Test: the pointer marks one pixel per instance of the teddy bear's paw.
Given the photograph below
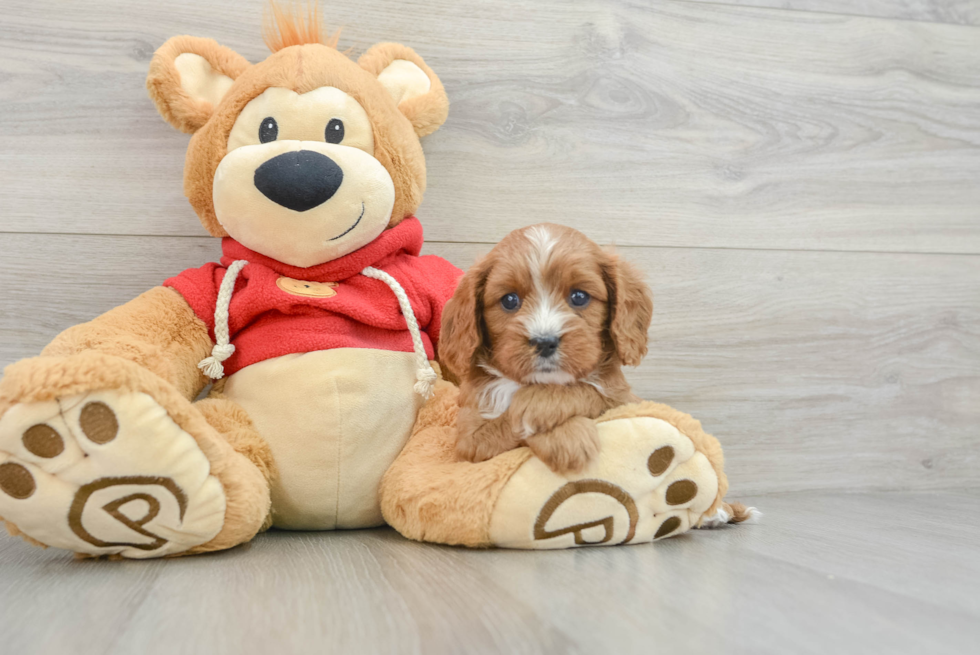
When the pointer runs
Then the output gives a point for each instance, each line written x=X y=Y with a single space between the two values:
x=106 y=473
x=649 y=482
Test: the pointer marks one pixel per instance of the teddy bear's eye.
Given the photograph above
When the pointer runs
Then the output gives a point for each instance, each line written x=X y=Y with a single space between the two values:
x=510 y=302
x=268 y=130
x=335 y=131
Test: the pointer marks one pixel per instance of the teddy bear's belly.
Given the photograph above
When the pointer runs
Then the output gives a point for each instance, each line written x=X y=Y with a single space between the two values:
x=335 y=420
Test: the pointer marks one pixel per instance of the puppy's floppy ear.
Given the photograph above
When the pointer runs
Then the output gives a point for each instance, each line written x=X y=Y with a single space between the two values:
x=188 y=78
x=462 y=319
x=413 y=86
x=630 y=309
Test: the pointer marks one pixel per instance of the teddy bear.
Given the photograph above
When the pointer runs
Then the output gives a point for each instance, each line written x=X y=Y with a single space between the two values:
x=314 y=342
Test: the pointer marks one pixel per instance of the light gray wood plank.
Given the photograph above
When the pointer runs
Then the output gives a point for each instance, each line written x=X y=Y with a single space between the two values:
x=765 y=588
x=668 y=124
x=51 y=603
x=815 y=369
x=956 y=12
x=928 y=523
x=51 y=282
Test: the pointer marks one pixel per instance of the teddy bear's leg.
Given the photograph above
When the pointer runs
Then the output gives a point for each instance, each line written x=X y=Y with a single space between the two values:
x=428 y=496
x=128 y=466
x=249 y=499
x=104 y=454
x=658 y=475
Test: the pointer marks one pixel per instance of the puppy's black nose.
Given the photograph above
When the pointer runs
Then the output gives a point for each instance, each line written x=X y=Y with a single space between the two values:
x=299 y=180
x=546 y=346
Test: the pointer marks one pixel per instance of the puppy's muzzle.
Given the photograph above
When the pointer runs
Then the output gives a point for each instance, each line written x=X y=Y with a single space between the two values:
x=299 y=180
x=545 y=346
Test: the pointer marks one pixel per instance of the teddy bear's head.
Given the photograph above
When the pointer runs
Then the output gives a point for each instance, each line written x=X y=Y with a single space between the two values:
x=308 y=155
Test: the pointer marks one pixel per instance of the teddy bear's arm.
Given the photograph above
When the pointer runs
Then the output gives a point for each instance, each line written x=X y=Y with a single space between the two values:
x=157 y=330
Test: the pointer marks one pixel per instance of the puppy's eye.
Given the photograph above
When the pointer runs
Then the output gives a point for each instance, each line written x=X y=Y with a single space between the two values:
x=268 y=130
x=335 y=131
x=510 y=302
x=578 y=298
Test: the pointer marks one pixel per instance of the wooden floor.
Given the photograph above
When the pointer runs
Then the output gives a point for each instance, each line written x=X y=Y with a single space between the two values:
x=823 y=573
x=800 y=180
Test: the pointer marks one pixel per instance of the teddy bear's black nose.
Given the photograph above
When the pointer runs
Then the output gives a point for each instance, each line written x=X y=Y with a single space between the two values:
x=299 y=180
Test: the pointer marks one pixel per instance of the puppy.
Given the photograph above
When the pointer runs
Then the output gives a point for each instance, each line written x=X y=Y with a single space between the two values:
x=536 y=333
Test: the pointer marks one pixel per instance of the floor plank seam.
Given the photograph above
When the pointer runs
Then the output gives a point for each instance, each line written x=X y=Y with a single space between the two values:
x=818 y=12
x=490 y=244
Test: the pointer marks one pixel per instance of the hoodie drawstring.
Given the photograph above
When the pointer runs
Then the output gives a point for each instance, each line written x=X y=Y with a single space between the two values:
x=424 y=374
x=223 y=349
x=222 y=345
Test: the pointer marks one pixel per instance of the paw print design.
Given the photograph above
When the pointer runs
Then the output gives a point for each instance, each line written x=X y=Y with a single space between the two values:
x=106 y=473
x=649 y=482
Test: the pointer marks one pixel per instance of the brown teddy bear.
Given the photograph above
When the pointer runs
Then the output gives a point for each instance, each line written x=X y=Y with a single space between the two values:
x=319 y=329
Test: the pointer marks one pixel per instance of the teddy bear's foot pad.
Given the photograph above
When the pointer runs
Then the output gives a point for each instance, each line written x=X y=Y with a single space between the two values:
x=649 y=482
x=106 y=473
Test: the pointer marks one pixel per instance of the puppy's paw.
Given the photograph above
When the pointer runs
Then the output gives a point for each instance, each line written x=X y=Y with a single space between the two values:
x=540 y=408
x=482 y=443
x=469 y=449
x=568 y=448
x=532 y=412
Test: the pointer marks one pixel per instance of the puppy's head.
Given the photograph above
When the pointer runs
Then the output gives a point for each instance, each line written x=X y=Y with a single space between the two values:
x=547 y=305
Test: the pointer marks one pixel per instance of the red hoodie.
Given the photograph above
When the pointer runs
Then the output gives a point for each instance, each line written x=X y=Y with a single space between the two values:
x=267 y=320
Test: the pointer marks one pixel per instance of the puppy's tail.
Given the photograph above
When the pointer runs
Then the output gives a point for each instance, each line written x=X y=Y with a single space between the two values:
x=742 y=514
x=731 y=513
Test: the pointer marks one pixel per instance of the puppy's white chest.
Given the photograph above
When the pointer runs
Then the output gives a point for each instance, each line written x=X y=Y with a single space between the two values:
x=496 y=396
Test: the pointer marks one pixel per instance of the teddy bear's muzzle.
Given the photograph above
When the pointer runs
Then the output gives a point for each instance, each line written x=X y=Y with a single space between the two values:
x=299 y=180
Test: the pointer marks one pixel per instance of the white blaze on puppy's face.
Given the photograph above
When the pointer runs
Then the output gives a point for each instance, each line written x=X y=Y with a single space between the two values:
x=548 y=311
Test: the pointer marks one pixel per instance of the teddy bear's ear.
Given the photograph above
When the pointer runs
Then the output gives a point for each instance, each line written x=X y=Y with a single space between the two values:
x=416 y=90
x=188 y=78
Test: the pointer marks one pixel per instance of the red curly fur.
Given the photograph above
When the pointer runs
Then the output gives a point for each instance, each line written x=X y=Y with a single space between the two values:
x=509 y=393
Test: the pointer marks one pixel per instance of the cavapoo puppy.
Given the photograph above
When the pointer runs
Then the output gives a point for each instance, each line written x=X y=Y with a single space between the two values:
x=536 y=334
